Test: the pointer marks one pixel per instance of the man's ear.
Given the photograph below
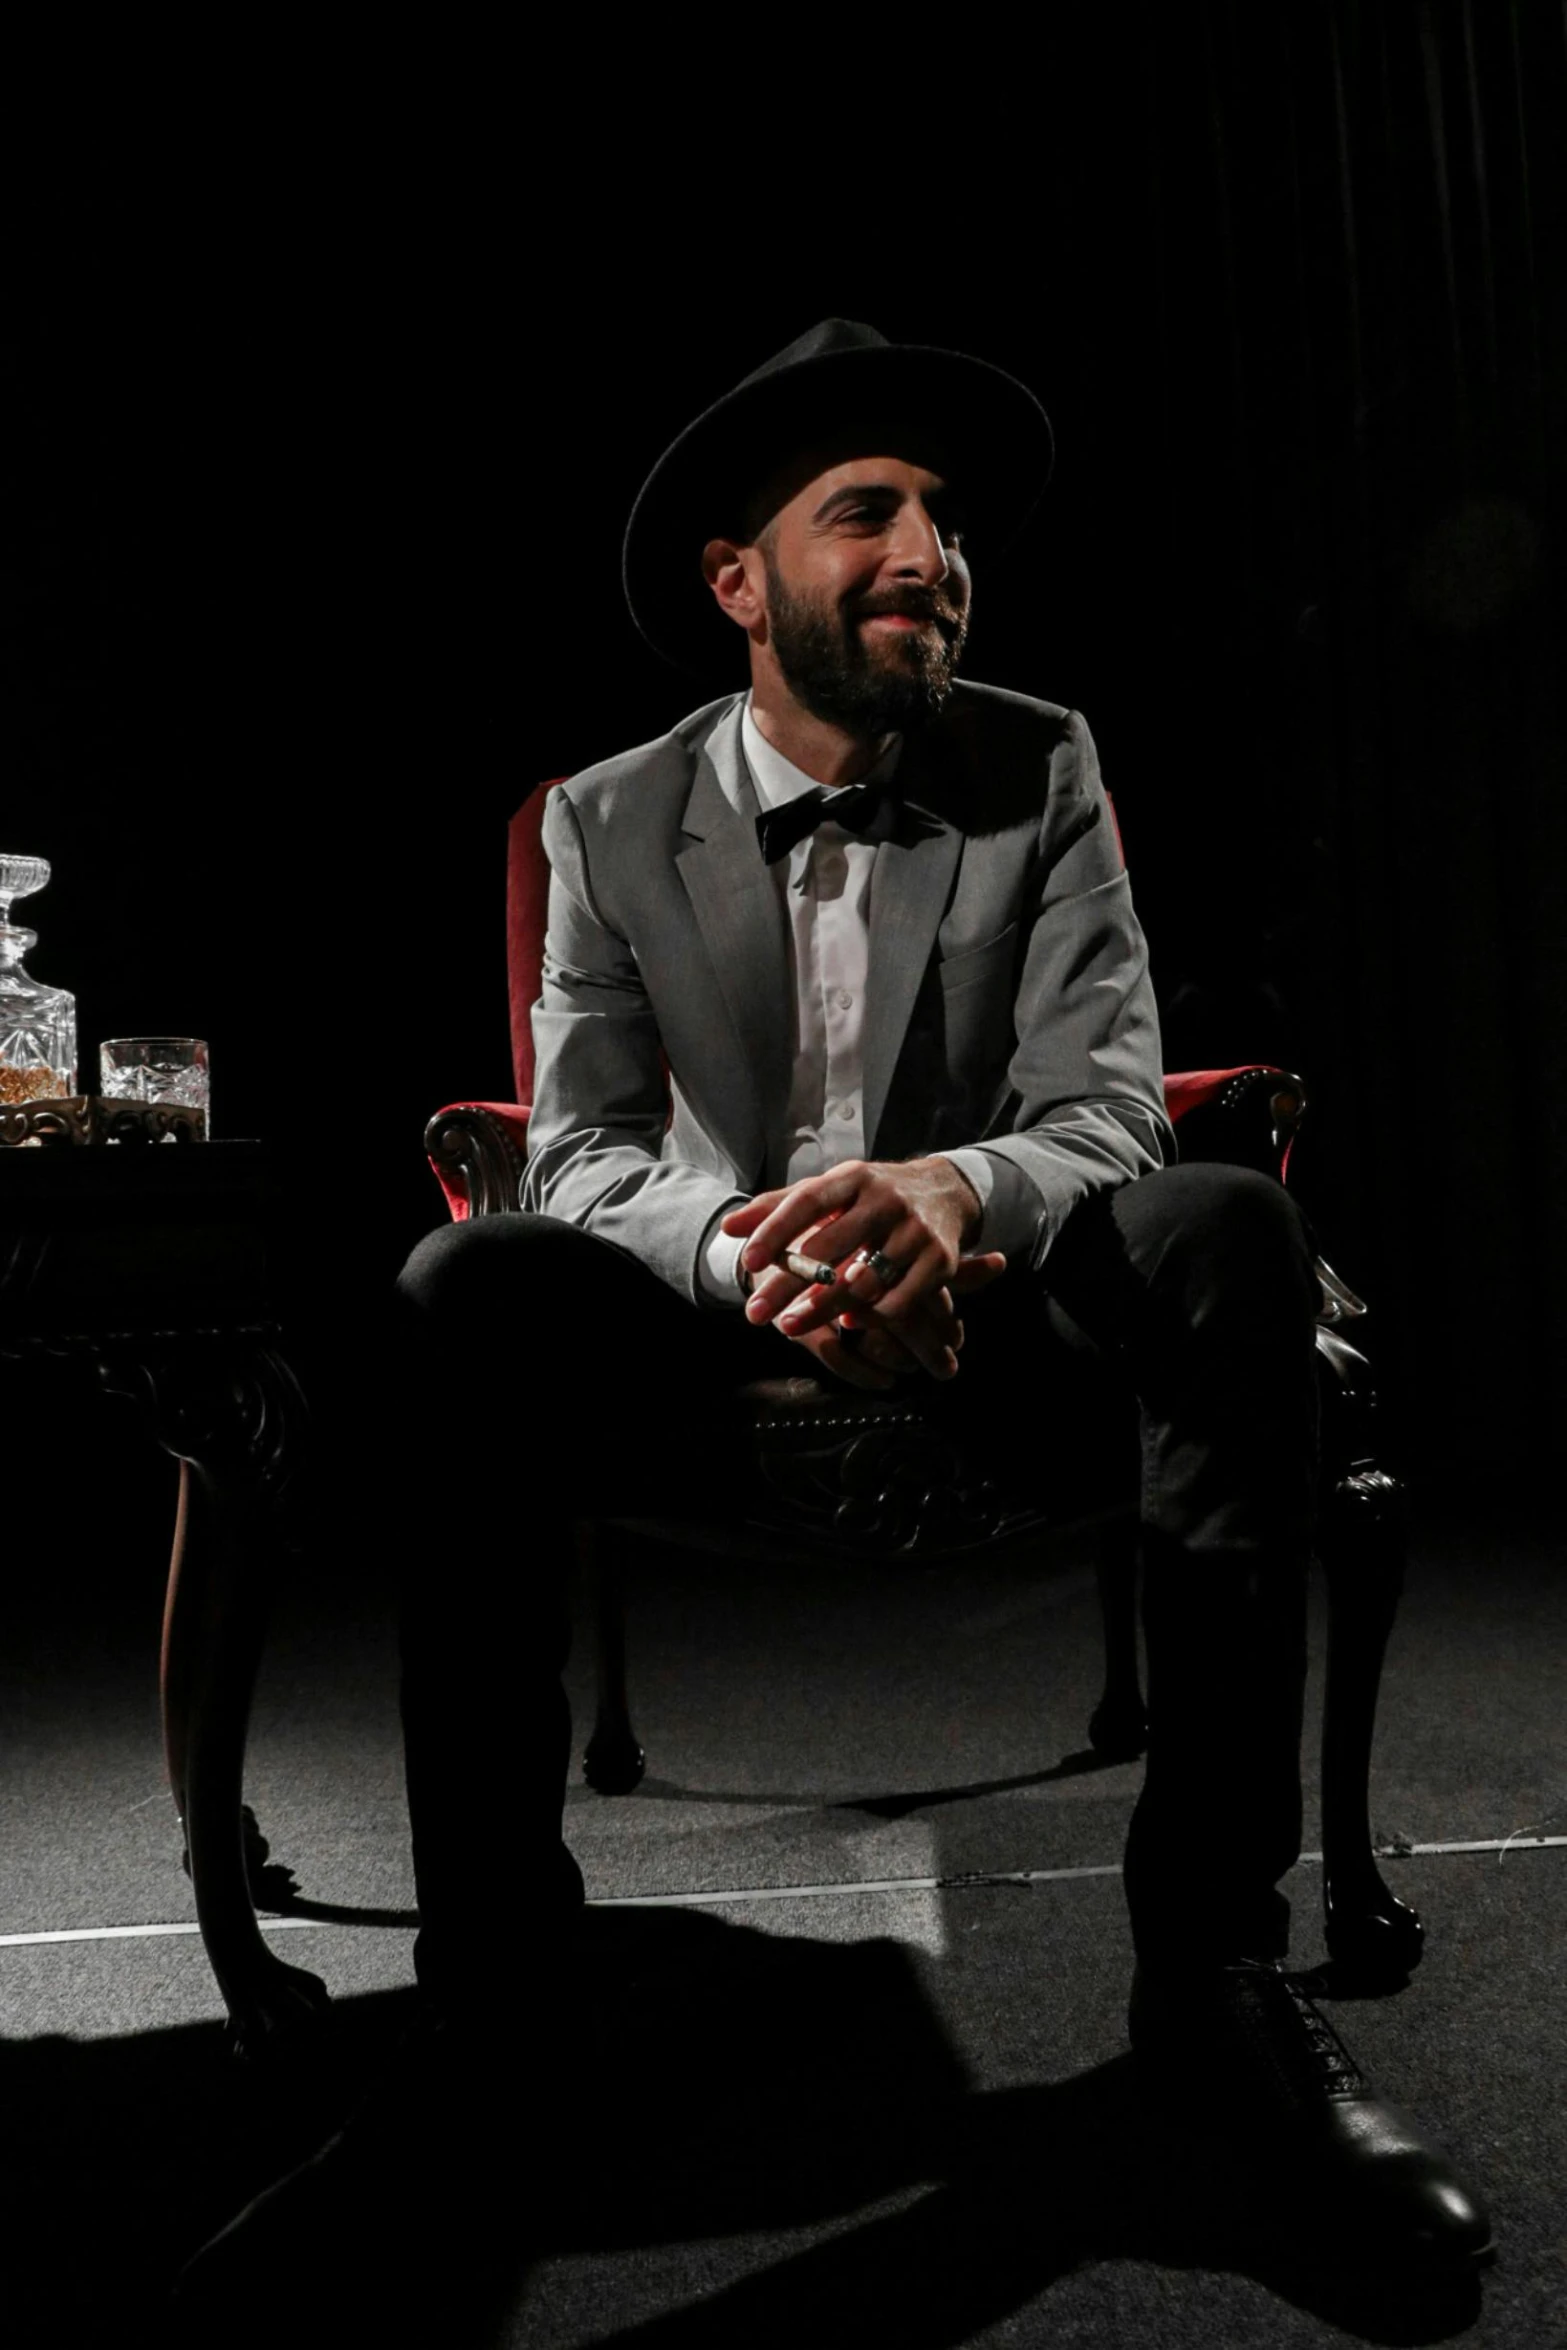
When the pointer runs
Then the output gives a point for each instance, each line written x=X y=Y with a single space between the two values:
x=735 y=581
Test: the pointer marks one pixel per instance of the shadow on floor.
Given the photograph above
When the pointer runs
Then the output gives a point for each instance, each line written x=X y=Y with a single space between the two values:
x=883 y=1807
x=731 y=2082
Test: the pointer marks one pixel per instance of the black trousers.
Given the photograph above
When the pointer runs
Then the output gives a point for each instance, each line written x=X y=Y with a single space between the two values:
x=544 y=1376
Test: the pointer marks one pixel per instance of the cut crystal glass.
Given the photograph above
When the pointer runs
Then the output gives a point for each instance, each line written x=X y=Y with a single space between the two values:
x=155 y=1069
x=37 y=1024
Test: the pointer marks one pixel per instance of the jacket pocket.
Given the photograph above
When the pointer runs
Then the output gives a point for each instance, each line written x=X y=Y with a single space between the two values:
x=979 y=962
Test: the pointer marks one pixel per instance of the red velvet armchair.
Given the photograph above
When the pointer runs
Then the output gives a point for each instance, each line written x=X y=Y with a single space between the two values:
x=866 y=1476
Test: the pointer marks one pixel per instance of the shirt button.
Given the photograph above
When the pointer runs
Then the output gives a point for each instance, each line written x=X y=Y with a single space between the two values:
x=845 y=1000
x=846 y=1109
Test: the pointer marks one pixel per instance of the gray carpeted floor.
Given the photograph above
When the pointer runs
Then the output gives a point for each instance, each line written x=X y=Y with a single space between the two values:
x=898 y=2116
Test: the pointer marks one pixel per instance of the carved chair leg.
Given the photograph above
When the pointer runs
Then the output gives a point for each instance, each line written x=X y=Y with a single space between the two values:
x=1118 y=1728
x=1374 y=1937
x=613 y=1763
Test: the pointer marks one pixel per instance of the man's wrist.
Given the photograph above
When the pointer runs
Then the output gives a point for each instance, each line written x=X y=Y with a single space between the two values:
x=973 y=1175
x=973 y=1209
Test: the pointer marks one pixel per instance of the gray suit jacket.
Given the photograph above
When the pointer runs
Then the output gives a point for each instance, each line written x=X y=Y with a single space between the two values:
x=1008 y=1004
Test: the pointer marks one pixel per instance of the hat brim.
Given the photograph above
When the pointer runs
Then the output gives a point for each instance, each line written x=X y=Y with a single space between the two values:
x=993 y=433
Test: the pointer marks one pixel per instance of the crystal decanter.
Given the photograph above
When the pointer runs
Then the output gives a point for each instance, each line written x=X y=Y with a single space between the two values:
x=37 y=1024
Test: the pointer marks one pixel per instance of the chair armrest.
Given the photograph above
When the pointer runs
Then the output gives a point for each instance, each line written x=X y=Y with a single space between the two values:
x=1246 y=1117
x=1249 y=1118
x=477 y=1151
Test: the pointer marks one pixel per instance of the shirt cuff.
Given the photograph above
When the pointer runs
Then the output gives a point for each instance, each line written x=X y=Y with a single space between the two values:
x=718 y=1260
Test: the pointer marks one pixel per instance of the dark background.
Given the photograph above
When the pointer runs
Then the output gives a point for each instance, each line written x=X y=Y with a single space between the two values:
x=314 y=483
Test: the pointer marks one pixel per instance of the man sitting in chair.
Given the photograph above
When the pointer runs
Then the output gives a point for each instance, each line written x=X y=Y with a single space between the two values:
x=847 y=1060
x=844 y=970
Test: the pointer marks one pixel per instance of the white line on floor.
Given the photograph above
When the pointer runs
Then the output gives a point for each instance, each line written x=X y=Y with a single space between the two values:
x=139 y=1933
x=967 y=1882
x=959 y=1884
x=969 y=1879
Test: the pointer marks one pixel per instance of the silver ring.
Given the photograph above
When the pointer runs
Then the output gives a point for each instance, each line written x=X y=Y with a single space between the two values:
x=883 y=1267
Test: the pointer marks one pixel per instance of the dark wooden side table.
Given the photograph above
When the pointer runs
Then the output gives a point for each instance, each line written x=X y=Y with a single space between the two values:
x=145 y=1262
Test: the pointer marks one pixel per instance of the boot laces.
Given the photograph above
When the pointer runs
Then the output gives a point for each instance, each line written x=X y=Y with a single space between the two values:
x=1296 y=2042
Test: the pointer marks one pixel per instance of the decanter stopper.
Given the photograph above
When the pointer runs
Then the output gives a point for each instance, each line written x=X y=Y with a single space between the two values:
x=37 y=1024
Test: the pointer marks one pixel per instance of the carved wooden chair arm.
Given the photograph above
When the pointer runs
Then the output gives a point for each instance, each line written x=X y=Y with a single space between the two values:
x=1250 y=1118
x=478 y=1151
x=1245 y=1117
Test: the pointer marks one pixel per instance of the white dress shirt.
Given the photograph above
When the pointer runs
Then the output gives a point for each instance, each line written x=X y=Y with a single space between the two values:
x=826 y=883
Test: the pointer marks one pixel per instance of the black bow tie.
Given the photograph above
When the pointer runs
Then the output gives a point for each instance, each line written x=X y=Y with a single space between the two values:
x=856 y=808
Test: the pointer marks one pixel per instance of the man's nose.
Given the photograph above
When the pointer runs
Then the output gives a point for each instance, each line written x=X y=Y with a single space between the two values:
x=918 y=550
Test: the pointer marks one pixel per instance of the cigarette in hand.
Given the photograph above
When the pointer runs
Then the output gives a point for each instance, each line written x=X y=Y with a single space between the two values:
x=809 y=1269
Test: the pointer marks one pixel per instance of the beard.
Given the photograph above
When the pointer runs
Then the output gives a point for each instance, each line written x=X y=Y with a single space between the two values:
x=893 y=684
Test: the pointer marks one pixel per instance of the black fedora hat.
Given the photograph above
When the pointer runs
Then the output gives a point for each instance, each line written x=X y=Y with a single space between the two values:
x=994 y=436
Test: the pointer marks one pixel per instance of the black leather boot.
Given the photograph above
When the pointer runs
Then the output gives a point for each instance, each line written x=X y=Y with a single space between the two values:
x=1241 y=2050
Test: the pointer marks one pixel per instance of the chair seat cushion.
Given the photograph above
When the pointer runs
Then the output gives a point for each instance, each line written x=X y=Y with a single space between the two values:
x=795 y=1397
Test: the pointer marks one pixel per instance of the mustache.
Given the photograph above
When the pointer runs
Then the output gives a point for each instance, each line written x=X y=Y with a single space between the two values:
x=913 y=604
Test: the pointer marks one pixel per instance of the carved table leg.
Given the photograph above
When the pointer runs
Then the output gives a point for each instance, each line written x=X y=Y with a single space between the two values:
x=183 y=1604
x=226 y=1410
x=1118 y=1729
x=1374 y=1937
x=614 y=1762
x=174 y=1661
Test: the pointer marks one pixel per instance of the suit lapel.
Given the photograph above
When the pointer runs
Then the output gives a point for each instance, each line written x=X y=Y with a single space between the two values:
x=735 y=900
x=909 y=895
